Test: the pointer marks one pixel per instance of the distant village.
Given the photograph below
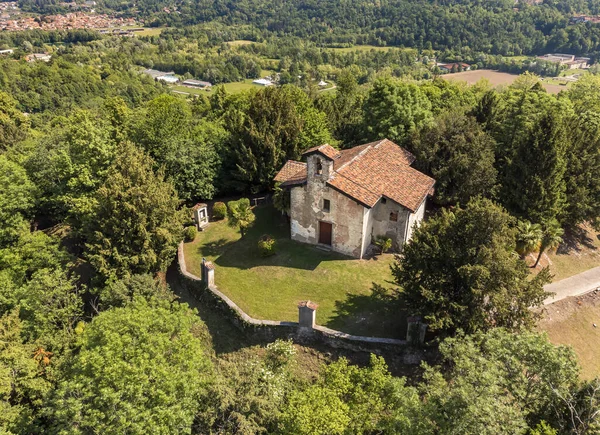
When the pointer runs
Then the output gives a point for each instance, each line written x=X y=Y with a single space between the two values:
x=12 y=19
x=74 y=20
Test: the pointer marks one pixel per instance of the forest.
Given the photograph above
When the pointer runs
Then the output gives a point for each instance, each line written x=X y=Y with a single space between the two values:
x=464 y=27
x=100 y=165
x=97 y=175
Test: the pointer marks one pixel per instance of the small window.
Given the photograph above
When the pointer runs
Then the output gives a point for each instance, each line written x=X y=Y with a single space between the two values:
x=383 y=200
x=394 y=216
x=326 y=205
x=319 y=167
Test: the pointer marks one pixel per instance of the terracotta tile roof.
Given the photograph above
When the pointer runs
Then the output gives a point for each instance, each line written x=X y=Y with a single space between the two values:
x=368 y=172
x=293 y=172
x=327 y=150
x=383 y=169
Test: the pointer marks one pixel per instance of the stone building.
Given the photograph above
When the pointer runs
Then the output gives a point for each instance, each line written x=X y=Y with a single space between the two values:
x=344 y=199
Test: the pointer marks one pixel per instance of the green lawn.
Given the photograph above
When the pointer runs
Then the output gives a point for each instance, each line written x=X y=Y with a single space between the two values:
x=189 y=90
x=270 y=288
x=579 y=251
x=244 y=85
x=150 y=31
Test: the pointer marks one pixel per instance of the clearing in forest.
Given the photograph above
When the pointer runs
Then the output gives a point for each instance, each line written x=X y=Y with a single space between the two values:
x=271 y=287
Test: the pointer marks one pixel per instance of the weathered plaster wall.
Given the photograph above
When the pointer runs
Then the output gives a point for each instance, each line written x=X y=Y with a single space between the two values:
x=345 y=214
x=415 y=220
x=383 y=226
x=367 y=229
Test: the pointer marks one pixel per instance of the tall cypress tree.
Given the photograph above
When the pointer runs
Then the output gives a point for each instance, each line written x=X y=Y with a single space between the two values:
x=137 y=226
x=535 y=185
x=530 y=128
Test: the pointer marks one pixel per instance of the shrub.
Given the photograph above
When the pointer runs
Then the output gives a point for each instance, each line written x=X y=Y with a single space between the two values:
x=219 y=210
x=189 y=234
x=240 y=215
x=384 y=243
x=279 y=354
x=266 y=245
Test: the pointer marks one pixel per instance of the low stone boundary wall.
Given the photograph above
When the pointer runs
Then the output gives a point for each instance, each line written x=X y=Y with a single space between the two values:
x=304 y=332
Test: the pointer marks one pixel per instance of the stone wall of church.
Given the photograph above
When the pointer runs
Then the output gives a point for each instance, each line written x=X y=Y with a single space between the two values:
x=308 y=208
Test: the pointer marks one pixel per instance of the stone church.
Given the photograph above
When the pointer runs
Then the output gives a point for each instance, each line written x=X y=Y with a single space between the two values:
x=344 y=199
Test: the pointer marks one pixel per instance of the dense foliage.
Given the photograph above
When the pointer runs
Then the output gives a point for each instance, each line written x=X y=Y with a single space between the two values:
x=99 y=165
x=463 y=26
x=473 y=285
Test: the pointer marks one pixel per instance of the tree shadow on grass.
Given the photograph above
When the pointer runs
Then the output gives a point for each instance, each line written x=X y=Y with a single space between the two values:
x=215 y=248
x=225 y=336
x=378 y=314
x=244 y=254
x=575 y=240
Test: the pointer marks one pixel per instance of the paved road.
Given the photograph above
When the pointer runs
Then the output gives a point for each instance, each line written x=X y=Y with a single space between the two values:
x=574 y=286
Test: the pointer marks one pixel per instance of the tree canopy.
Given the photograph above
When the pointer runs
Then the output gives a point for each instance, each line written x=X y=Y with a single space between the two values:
x=138 y=367
x=474 y=285
x=137 y=222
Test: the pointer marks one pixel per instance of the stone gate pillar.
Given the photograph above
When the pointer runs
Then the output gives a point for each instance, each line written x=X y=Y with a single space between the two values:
x=307 y=313
x=207 y=273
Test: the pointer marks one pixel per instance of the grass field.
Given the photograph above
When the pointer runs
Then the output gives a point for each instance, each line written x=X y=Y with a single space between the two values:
x=239 y=42
x=571 y=322
x=270 y=288
x=150 y=31
x=231 y=88
x=235 y=87
x=187 y=90
x=361 y=48
x=571 y=261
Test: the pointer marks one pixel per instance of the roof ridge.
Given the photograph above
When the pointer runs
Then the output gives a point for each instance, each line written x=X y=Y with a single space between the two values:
x=380 y=142
x=363 y=152
x=357 y=183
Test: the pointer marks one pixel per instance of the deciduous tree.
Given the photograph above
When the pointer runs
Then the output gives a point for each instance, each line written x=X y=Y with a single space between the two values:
x=459 y=155
x=17 y=199
x=22 y=384
x=460 y=270
x=499 y=382
x=141 y=366
x=394 y=109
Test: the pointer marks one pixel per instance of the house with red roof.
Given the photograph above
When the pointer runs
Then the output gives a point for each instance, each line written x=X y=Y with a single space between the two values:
x=345 y=199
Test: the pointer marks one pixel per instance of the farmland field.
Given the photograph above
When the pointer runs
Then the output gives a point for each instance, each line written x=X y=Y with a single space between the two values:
x=239 y=42
x=496 y=78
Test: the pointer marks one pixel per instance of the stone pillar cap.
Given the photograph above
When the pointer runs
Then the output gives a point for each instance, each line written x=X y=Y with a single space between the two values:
x=308 y=304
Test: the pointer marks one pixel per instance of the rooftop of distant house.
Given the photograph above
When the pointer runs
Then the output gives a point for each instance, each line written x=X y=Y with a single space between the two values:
x=199 y=83
x=156 y=73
